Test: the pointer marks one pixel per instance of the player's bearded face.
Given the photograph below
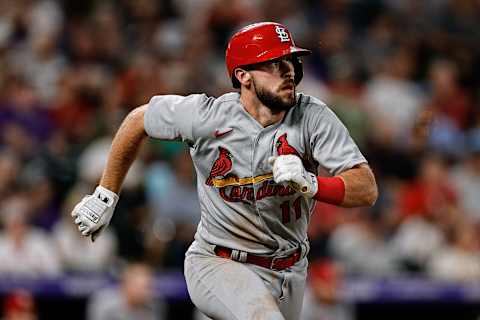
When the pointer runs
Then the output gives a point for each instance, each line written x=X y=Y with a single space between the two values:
x=274 y=85
x=280 y=99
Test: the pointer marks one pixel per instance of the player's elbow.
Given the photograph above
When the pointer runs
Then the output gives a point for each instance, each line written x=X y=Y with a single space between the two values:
x=361 y=187
x=135 y=119
x=371 y=195
x=137 y=114
x=369 y=186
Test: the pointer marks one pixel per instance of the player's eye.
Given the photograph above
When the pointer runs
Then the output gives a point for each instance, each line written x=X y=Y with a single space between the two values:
x=275 y=63
x=271 y=65
x=279 y=63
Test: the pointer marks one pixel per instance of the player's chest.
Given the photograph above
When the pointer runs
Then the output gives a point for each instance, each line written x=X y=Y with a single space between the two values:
x=247 y=151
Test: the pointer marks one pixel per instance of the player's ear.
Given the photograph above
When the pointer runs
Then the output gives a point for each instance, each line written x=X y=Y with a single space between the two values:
x=243 y=76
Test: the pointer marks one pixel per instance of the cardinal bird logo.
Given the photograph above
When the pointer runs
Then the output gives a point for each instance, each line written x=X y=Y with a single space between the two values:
x=283 y=147
x=221 y=166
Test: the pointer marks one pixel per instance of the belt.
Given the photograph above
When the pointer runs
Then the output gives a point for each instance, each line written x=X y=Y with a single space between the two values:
x=266 y=262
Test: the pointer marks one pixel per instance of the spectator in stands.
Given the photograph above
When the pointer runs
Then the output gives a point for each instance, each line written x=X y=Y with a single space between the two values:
x=430 y=193
x=447 y=98
x=416 y=241
x=171 y=189
x=393 y=100
x=173 y=198
x=346 y=98
x=38 y=57
x=466 y=178
x=19 y=305
x=22 y=108
x=451 y=108
x=134 y=299
x=460 y=259
x=25 y=250
x=359 y=248
x=9 y=171
x=422 y=211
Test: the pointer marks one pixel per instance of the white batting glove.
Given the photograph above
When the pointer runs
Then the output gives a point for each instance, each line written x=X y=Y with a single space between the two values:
x=289 y=169
x=94 y=212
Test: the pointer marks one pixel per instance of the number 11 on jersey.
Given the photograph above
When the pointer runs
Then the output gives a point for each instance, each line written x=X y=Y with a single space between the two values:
x=286 y=212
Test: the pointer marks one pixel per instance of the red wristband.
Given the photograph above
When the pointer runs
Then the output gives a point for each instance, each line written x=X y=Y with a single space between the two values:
x=330 y=190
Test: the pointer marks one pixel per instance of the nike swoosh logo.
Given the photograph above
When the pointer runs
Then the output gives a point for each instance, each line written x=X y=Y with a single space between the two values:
x=219 y=133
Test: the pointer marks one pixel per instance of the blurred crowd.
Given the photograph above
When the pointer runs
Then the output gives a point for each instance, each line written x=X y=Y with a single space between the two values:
x=399 y=73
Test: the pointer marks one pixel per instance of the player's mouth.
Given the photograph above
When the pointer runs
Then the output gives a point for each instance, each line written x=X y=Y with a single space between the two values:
x=289 y=86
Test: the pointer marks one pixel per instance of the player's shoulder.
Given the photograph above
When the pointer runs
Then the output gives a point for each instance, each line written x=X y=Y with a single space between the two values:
x=214 y=110
x=200 y=98
x=311 y=103
x=222 y=105
x=194 y=98
x=227 y=99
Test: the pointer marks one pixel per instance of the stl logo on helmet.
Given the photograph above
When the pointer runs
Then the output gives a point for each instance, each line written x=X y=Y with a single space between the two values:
x=282 y=34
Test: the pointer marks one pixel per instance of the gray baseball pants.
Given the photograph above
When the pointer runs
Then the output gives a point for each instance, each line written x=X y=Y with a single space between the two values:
x=225 y=289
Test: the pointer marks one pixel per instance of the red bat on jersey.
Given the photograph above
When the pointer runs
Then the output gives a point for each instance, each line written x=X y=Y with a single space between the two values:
x=221 y=166
x=283 y=147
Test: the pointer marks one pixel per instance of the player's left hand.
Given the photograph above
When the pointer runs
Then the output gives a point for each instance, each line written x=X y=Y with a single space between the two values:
x=289 y=169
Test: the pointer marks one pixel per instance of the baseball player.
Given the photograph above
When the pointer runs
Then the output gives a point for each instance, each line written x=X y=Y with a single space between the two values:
x=257 y=154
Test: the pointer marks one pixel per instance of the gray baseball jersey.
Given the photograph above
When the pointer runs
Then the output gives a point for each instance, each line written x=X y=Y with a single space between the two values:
x=241 y=206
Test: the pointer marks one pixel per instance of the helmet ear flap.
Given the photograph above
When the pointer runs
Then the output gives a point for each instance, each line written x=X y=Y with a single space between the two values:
x=298 y=67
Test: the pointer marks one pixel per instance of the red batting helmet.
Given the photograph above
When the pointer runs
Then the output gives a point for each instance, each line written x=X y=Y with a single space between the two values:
x=261 y=42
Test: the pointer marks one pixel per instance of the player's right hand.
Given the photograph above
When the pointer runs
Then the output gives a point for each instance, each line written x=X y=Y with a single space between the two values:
x=94 y=212
x=290 y=170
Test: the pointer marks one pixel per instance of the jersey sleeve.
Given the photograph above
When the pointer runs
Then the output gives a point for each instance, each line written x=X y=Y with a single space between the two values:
x=331 y=144
x=172 y=117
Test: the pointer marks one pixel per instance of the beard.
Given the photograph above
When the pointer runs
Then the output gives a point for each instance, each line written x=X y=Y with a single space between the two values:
x=274 y=101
